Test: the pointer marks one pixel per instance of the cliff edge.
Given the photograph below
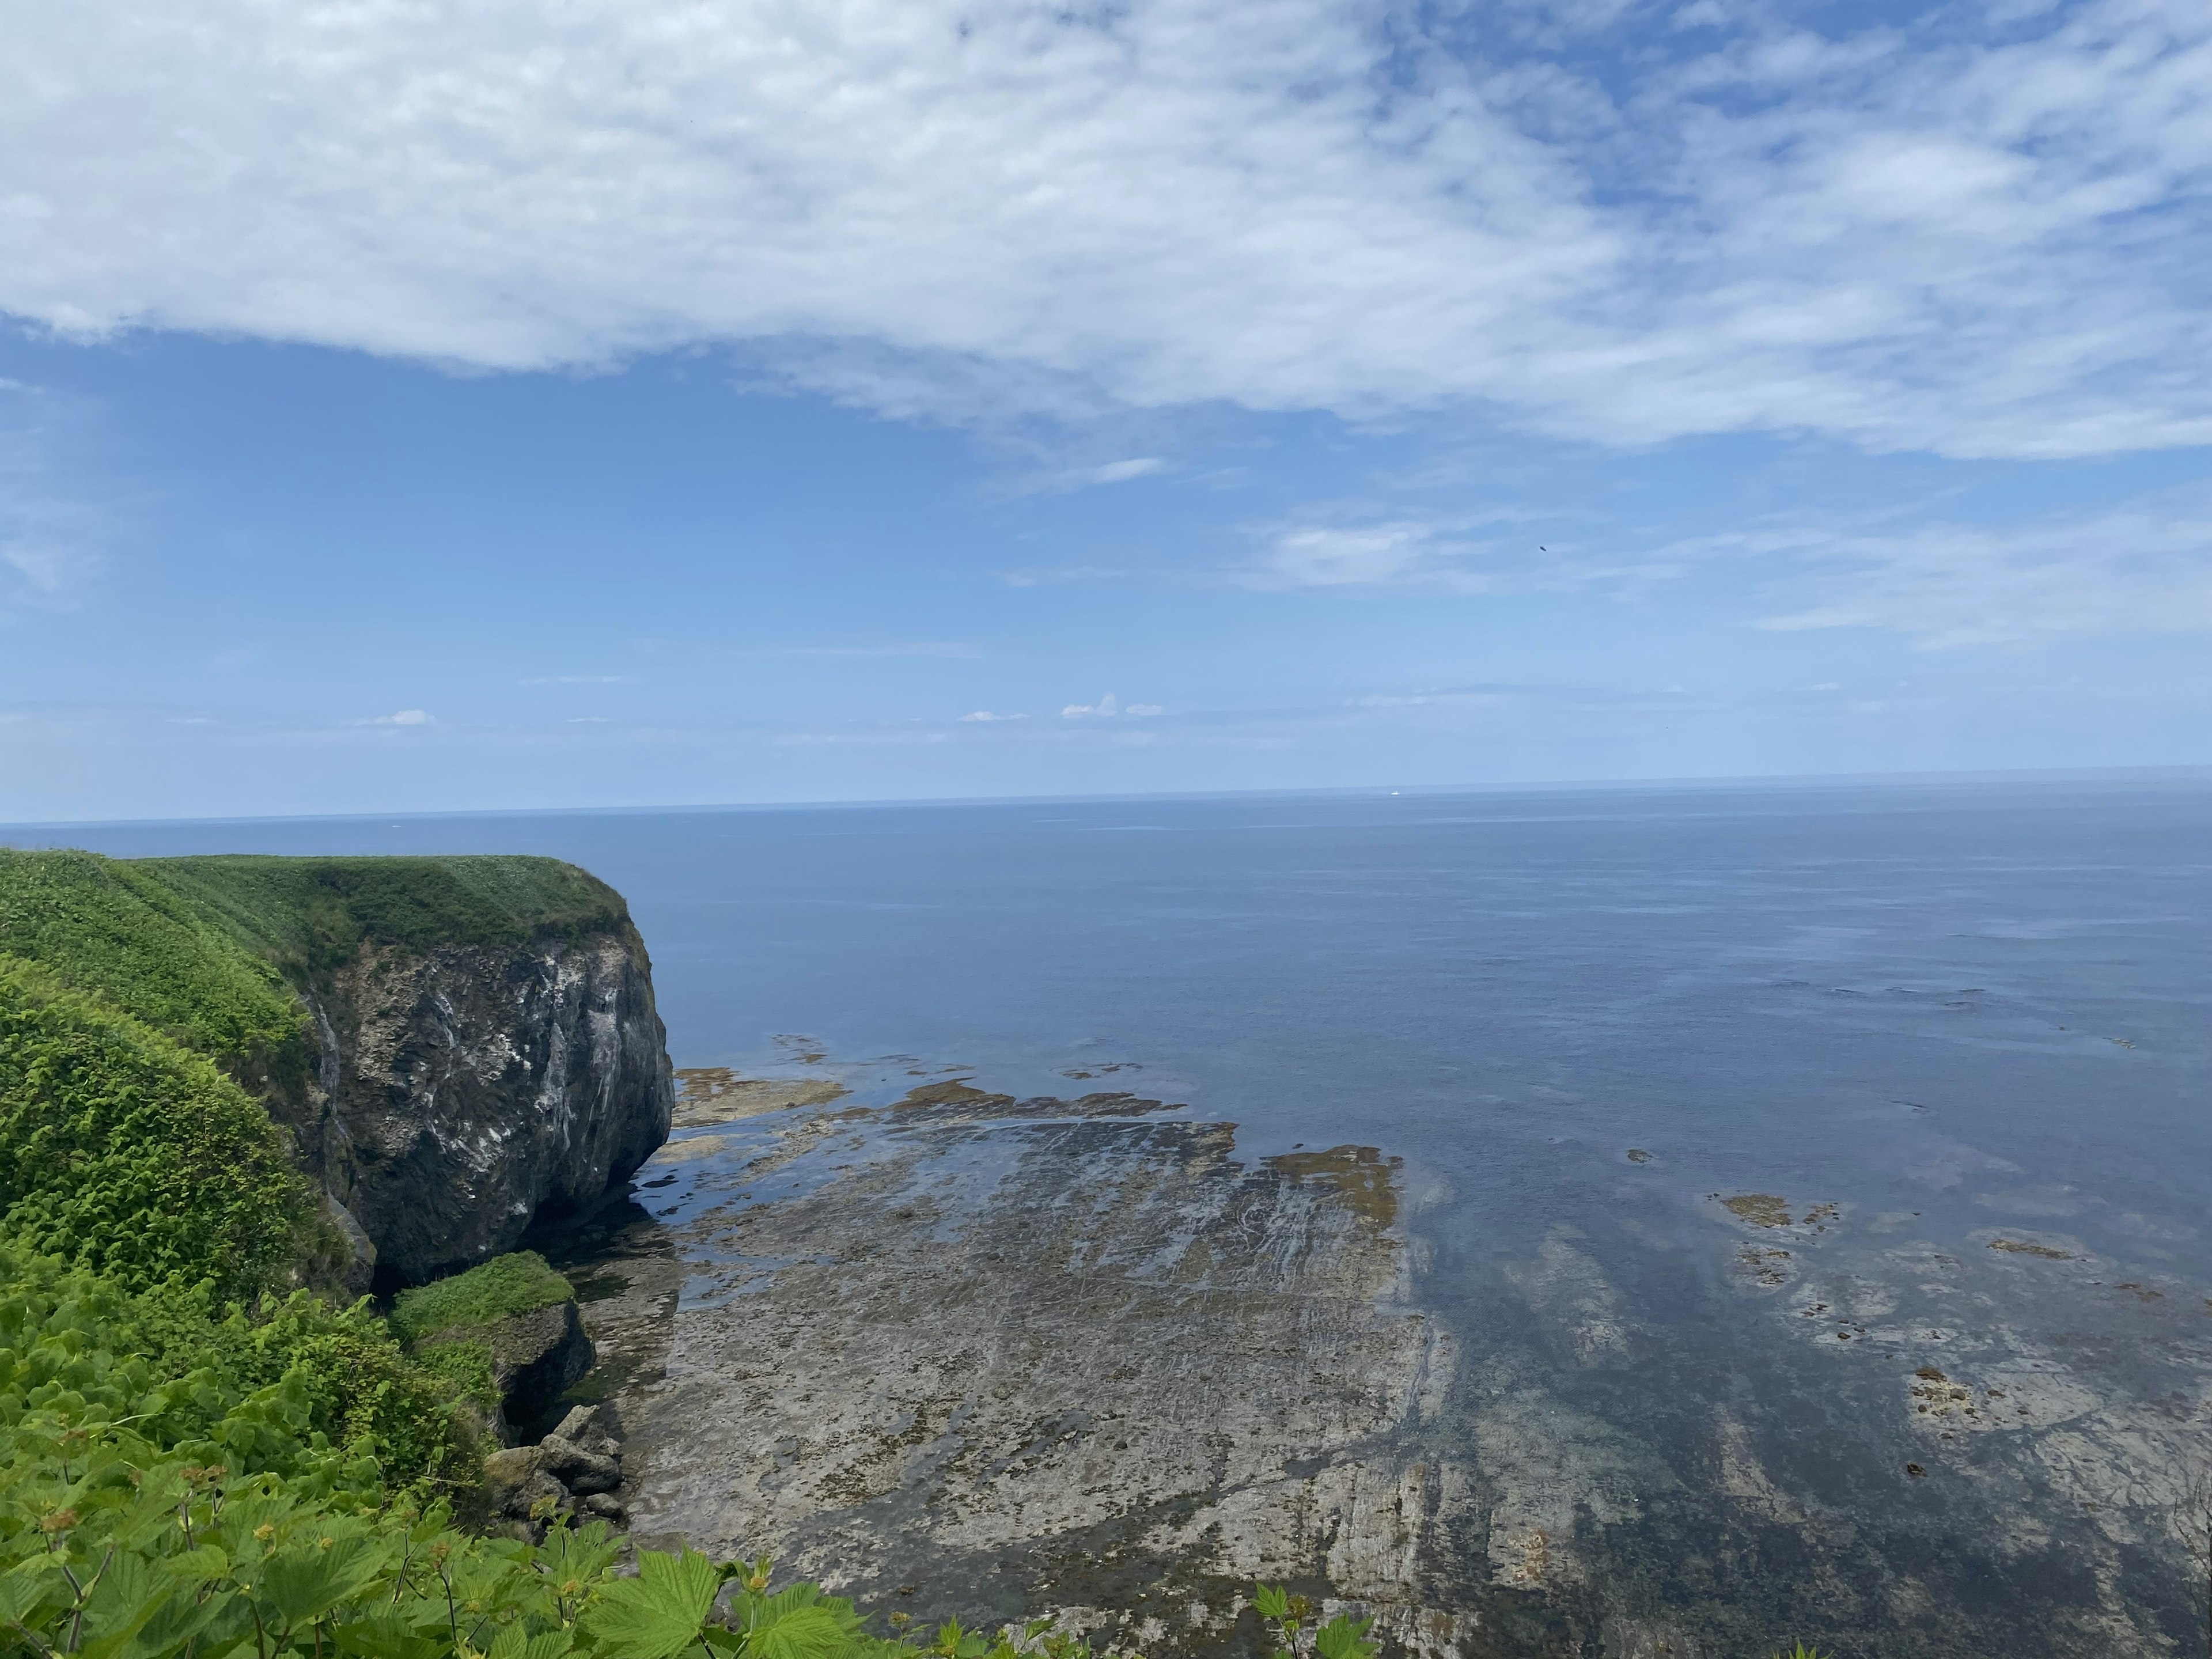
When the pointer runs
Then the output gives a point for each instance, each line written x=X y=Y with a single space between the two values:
x=456 y=1045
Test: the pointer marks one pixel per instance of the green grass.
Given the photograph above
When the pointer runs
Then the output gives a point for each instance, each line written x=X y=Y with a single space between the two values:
x=500 y=1289
x=212 y=950
x=310 y=915
x=113 y=930
x=124 y=1152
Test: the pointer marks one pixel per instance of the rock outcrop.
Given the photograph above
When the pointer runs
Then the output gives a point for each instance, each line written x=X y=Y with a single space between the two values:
x=536 y=1357
x=454 y=1043
x=574 y=1471
x=464 y=1089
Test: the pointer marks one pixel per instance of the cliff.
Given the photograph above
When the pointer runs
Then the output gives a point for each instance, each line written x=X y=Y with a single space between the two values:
x=456 y=1045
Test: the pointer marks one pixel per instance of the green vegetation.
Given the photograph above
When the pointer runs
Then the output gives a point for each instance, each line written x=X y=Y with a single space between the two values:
x=177 y=1361
x=150 y=1214
x=144 y=1002
x=177 y=1482
x=309 y=915
x=122 y=1152
x=112 y=929
x=202 y=949
x=500 y=1289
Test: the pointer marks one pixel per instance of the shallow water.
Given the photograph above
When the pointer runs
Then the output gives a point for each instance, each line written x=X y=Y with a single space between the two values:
x=1963 y=1015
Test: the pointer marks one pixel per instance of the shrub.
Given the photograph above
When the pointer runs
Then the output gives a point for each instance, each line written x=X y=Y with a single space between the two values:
x=181 y=1361
x=122 y=1152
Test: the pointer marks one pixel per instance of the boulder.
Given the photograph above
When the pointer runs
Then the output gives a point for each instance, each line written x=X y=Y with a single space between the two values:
x=595 y=1428
x=516 y=1480
x=582 y=1471
x=536 y=1357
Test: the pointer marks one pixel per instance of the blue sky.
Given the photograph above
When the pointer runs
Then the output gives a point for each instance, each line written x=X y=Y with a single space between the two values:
x=510 y=406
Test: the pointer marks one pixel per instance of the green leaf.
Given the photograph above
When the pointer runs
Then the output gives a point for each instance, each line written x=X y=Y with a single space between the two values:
x=316 y=1573
x=181 y=1621
x=31 y=1587
x=1340 y=1638
x=1272 y=1600
x=390 y=1634
x=814 y=1633
x=658 y=1614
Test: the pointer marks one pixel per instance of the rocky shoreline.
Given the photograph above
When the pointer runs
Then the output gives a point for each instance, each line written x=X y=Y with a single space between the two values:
x=957 y=1352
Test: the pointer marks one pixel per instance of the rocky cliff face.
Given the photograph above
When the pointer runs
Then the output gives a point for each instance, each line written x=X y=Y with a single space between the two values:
x=463 y=1088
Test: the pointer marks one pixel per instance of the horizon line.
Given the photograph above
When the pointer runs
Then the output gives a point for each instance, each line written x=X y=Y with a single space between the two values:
x=2176 y=772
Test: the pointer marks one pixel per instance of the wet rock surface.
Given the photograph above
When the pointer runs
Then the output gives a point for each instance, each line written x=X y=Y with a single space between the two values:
x=961 y=1353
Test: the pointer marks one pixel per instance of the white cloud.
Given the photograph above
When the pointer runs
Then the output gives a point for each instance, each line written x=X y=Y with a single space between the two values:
x=1373 y=555
x=1105 y=707
x=2136 y=571
x=405 y=717
x=1120 y=472
x=1965 y=235
x=912 y=649
x=50 y=539
x=1461 y=556
x=984 y=715
x=2144 y=568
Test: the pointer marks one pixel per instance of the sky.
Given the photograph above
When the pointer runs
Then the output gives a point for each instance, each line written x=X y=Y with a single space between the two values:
x=414 y=405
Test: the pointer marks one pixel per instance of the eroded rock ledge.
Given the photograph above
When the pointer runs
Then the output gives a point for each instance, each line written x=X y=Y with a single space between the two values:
x=1020 y=1352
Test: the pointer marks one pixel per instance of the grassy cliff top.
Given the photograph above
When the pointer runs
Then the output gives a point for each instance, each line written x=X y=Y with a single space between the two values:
x=202 y=948
x=316 y=913
x=499 y=1288
x=113 y=930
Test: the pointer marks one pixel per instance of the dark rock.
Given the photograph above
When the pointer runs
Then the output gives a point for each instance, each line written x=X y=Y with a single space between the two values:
x=595 y=1428
x=582 y=1471
x=516 y=1480
x=464 y=1089
x=604 y=1507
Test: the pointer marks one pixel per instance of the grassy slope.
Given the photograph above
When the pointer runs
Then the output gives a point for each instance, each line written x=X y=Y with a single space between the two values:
x=111 y=930
x=310 y=915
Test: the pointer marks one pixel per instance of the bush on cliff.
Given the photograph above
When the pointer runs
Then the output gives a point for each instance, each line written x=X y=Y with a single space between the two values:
x=190 y=1358
x=122 y=1152
x=160 y=1496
